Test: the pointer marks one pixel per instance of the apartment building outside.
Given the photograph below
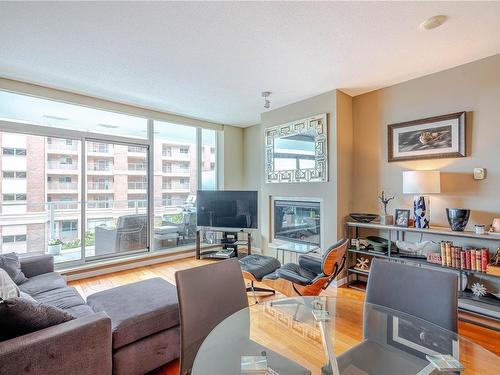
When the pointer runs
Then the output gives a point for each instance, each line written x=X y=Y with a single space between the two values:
x=41 y=187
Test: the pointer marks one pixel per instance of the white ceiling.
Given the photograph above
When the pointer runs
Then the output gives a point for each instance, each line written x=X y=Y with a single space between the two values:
x=212 y=60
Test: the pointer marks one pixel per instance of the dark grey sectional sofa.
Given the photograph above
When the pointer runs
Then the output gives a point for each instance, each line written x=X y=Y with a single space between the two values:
x=127 y=330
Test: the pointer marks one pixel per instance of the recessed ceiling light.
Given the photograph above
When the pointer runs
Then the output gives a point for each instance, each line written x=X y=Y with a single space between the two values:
x=108 y=126
x=433 y=22
x=55 y=117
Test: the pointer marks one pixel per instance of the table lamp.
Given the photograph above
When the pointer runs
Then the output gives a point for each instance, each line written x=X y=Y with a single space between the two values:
x=420 y=183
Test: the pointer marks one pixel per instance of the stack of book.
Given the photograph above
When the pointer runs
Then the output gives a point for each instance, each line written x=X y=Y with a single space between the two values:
x=465 y=259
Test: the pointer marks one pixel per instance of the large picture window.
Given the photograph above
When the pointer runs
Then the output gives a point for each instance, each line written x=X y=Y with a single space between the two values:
x=113 y=185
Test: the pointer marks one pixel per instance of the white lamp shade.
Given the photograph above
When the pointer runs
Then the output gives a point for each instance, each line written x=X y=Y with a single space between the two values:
x=421 y=182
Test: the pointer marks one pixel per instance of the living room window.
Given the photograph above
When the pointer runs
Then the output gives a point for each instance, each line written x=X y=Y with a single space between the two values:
x=91 y=189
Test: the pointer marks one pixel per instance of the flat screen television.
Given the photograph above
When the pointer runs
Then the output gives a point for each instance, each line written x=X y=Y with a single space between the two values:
x=229 y=209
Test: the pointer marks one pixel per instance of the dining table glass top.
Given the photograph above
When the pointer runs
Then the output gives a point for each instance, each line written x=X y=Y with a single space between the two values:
x=333 y=336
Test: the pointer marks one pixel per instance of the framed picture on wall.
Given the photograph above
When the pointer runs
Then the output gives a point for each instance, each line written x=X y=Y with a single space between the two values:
x=429 y=138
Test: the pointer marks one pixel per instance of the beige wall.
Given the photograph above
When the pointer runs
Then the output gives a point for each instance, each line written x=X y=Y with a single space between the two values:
x=474 y=88
x=344 y=138
x=252 y=157
x=340 y=160
x=232 y=161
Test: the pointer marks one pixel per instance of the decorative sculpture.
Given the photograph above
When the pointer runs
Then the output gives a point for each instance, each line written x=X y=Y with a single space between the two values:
x=385 y=219
x=362 y=264
x=478 y=289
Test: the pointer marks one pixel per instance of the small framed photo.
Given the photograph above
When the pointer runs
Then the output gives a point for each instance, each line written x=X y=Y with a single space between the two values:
x=402 y=218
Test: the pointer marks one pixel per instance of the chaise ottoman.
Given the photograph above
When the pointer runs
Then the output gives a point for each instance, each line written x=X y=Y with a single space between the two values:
x=254 y=267
x=145 y=324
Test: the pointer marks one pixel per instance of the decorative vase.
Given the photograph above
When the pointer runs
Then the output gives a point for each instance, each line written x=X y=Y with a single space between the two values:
x=386 y=219
x=458 y=218
x=54 y=249
x=421 y=211
x=496 y=225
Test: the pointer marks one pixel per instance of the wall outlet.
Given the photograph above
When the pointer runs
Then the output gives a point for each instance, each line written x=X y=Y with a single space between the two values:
x=479 y=173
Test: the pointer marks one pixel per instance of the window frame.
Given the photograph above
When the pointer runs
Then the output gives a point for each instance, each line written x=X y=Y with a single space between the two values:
x=51 y=133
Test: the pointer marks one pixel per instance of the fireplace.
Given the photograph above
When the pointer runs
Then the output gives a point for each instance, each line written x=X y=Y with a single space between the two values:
x=297 y=221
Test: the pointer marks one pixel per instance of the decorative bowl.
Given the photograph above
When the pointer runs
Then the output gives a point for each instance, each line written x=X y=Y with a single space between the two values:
x=378 y=243
x=363 y=218
x=458 y=218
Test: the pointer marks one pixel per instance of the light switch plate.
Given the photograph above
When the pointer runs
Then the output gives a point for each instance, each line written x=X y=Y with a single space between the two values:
x=479 y=173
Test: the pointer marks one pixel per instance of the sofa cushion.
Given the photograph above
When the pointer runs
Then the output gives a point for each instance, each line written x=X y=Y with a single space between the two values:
x=294 y=273
x=42 y=283
x=62 y=298
x=138 y=310
x=10 y=263
x=80 y=311
x=19 y=316
x=8 y=288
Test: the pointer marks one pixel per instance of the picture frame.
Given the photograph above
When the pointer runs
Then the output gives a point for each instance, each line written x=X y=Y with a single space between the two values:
x=297 y=151
x=429 y=138
x=402 y=218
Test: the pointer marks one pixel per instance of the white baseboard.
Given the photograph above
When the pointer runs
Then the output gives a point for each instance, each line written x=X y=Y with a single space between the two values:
x=99 y=270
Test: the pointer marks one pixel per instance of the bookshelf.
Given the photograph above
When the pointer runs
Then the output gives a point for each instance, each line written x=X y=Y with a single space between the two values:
x=484 y=307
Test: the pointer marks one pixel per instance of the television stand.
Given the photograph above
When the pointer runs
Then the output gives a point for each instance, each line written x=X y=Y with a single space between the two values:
x=226 y=244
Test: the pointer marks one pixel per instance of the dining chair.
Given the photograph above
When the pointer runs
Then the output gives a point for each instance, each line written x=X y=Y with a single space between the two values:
x=207 y=295
x=428 y=294
x=398 y=289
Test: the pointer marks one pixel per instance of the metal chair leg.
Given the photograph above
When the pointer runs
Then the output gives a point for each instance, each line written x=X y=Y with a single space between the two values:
x=252 y=288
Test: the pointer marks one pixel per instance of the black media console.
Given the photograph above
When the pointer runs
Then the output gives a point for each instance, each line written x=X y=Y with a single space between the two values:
x=224 y=245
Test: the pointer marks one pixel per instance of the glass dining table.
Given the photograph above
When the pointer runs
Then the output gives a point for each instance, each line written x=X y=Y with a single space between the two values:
x=333 y=336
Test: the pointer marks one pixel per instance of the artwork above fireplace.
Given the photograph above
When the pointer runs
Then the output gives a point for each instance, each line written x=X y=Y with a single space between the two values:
x=297 y=220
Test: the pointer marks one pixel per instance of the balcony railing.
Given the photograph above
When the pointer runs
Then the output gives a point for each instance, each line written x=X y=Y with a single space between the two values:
x=63 y=205
x=55 y=185
x=175 y=187
x=59 y=165
x=50 y=216
x=99 y=148
x=137 y=149
x=100 y=204
x=99 y=185
x=175 y=170
x=137 y=166
x=137 y=185
x=99 y=167
x=62 y=146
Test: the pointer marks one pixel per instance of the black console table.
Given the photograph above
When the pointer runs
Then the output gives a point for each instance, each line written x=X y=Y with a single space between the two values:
x=227 y=244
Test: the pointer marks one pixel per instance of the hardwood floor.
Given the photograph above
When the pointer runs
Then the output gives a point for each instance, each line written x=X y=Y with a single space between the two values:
x=487 y=338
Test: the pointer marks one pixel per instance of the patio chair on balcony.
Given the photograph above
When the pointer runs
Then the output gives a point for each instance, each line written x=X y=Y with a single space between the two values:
x=129 y=234
x=186 y=229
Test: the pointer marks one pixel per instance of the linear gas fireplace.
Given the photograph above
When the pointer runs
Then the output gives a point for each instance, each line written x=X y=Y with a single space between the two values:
x=297 y=221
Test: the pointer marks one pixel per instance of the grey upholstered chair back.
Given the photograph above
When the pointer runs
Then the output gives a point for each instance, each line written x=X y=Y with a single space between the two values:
x=427 y=294
x=207 y=295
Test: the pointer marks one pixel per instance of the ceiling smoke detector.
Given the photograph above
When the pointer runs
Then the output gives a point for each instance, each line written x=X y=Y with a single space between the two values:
x=433 y=22
x=265 y=95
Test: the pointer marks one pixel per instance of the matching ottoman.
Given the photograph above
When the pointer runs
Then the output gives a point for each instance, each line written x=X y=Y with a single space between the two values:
x=145 y=324
x=254 y=267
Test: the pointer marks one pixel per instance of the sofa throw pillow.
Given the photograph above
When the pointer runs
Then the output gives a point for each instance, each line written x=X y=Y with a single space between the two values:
x=8 y=288
x=19 y=316
x=10 y=263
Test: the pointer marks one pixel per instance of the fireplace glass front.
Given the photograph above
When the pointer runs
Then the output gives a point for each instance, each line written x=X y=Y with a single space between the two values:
x=297 y=221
